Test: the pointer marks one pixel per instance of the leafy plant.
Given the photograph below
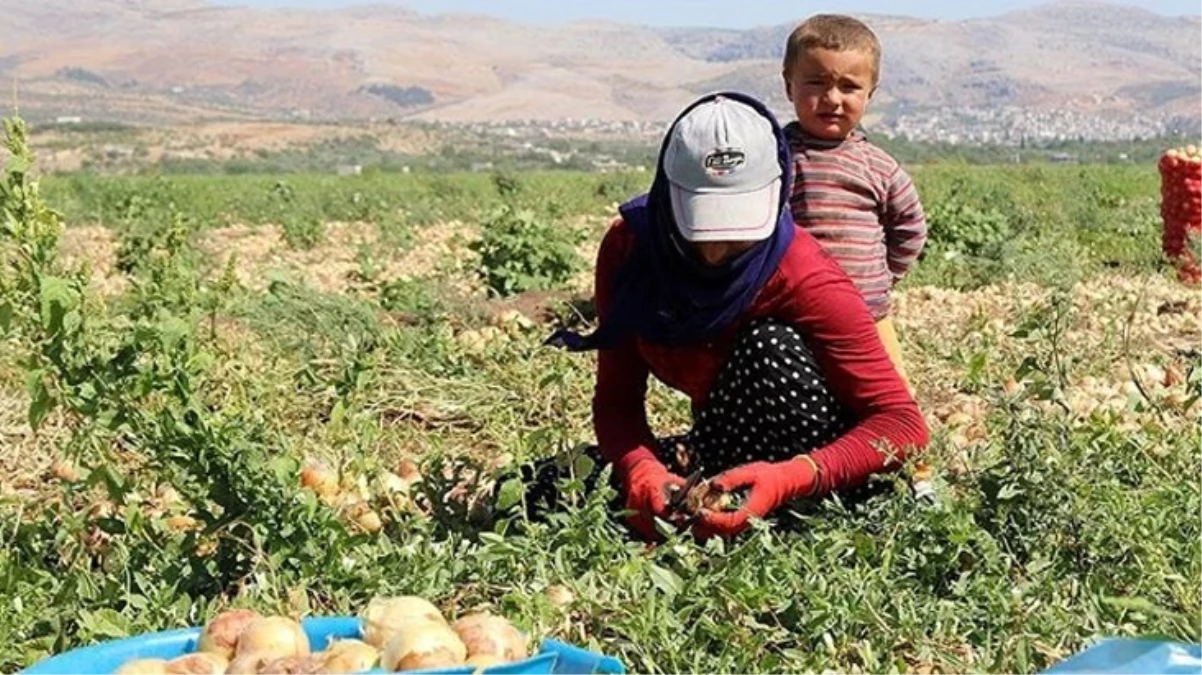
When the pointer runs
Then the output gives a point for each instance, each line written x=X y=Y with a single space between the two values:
x=521 y=252
x=301 y=230
x=967 y=229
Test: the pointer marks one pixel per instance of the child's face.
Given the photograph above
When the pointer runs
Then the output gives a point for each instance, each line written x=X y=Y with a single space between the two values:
x=830 y=90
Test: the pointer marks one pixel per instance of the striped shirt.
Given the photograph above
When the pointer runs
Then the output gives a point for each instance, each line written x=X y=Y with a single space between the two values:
x=862 y=207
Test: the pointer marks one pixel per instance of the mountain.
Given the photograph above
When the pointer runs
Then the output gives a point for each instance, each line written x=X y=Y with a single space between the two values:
x=176 y=60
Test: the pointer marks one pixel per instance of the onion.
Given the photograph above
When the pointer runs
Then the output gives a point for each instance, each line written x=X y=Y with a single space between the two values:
x=220 y=636
x=490 y=635
x=424 y=644
x=705 y=496
x=349 y=656
x=288 y=665
x=200 y=663
x=64 y=470
x=482 y=661
x=409 y=472
x=319 y=479
x=369 y=521
x=182 y=523
x=247 y=664
x=385 y=616
x=560 y=596
x=274 y=637
x=143 y=667
x=958 y=419
x=393 y=484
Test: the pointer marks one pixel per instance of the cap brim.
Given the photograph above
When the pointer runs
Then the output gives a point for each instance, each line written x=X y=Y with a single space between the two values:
x=725 y=216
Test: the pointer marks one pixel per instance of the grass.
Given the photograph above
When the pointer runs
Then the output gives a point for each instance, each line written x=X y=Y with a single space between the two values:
x=1067 y=499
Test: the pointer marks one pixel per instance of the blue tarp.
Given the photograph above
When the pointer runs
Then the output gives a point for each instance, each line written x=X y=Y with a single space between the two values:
x=1115 y=656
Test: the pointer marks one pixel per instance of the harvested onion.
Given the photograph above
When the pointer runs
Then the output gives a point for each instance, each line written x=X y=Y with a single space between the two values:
x=220 y=636
x=424 y=645
x=289 y=665
x=144 y=667
x=247 y=664
x=199 y=663
x=274 y=637
x=349 y=656
x=320 y=480
x=384 y=617
x=490 y=635
x=482 y=661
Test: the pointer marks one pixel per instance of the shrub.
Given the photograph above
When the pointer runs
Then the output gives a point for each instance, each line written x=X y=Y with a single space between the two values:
x=520 y=252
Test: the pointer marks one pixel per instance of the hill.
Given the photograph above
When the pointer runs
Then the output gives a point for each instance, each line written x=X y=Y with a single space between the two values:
x=174 y=60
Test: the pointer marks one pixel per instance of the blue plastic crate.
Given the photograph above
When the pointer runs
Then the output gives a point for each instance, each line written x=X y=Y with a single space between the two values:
x=554 y=657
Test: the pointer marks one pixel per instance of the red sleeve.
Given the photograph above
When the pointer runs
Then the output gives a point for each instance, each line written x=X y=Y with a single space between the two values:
x=619 y=398
x=824 y=303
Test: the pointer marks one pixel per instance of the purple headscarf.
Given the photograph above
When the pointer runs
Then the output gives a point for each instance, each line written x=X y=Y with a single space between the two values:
x=663 y=293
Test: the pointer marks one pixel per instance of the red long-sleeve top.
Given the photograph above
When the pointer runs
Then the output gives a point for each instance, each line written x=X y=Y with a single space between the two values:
x=810 y=291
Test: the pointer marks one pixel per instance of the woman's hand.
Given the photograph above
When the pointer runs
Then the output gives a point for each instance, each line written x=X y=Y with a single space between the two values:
x=772 y=484
x=645 y=481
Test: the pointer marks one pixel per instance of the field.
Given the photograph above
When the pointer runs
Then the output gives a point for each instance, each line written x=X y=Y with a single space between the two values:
x=176 y=353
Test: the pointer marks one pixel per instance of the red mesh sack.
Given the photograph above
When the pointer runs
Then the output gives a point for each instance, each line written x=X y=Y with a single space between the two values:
x=1181 y=210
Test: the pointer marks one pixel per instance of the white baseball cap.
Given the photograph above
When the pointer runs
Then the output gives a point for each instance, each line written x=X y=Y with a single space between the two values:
x=724 y=173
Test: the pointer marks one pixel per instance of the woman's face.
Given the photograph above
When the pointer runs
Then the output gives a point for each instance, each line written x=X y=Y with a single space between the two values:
x=714 y=253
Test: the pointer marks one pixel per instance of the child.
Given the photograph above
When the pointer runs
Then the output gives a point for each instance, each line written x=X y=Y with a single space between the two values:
x=849 y=194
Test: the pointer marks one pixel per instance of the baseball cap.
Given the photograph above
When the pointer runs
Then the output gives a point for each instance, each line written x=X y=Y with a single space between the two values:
x=724 y=173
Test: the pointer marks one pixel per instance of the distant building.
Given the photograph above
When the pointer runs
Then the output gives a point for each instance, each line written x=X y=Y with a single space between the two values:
x=350 y=170
x=609 y=165
x=68 y=119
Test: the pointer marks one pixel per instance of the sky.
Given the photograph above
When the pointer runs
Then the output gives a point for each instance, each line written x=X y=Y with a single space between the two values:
x=722 y=13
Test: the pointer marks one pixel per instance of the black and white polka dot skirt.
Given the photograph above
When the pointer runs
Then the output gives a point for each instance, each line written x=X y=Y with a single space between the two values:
x=770 y=402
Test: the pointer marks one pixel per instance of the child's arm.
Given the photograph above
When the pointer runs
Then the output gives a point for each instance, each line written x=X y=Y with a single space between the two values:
x=905 y=224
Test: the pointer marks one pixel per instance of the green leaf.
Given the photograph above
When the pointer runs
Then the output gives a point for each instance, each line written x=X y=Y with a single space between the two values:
x=667 y=581
x=284 y=468
x=104 y=623
x=57 y=298
x=17 y=164
x=1142 y=605
x=112 y=481
x=6 y=316
x=583 y=466
x=510 y=494
x=40 y=400
x=337 y=415
x=171 y=331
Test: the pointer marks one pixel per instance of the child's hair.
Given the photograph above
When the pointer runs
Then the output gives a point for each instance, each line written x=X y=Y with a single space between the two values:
x=837 y=32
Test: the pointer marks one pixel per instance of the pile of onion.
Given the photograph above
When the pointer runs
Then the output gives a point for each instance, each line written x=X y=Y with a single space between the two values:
x=398 y=634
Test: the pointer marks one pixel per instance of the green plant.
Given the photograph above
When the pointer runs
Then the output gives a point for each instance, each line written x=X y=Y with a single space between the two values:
x=521 y=252
x=967 y=229
x=413 y=297
x=301 y=230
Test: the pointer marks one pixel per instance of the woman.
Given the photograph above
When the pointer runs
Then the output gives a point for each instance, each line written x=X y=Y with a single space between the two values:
x=706 y=283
